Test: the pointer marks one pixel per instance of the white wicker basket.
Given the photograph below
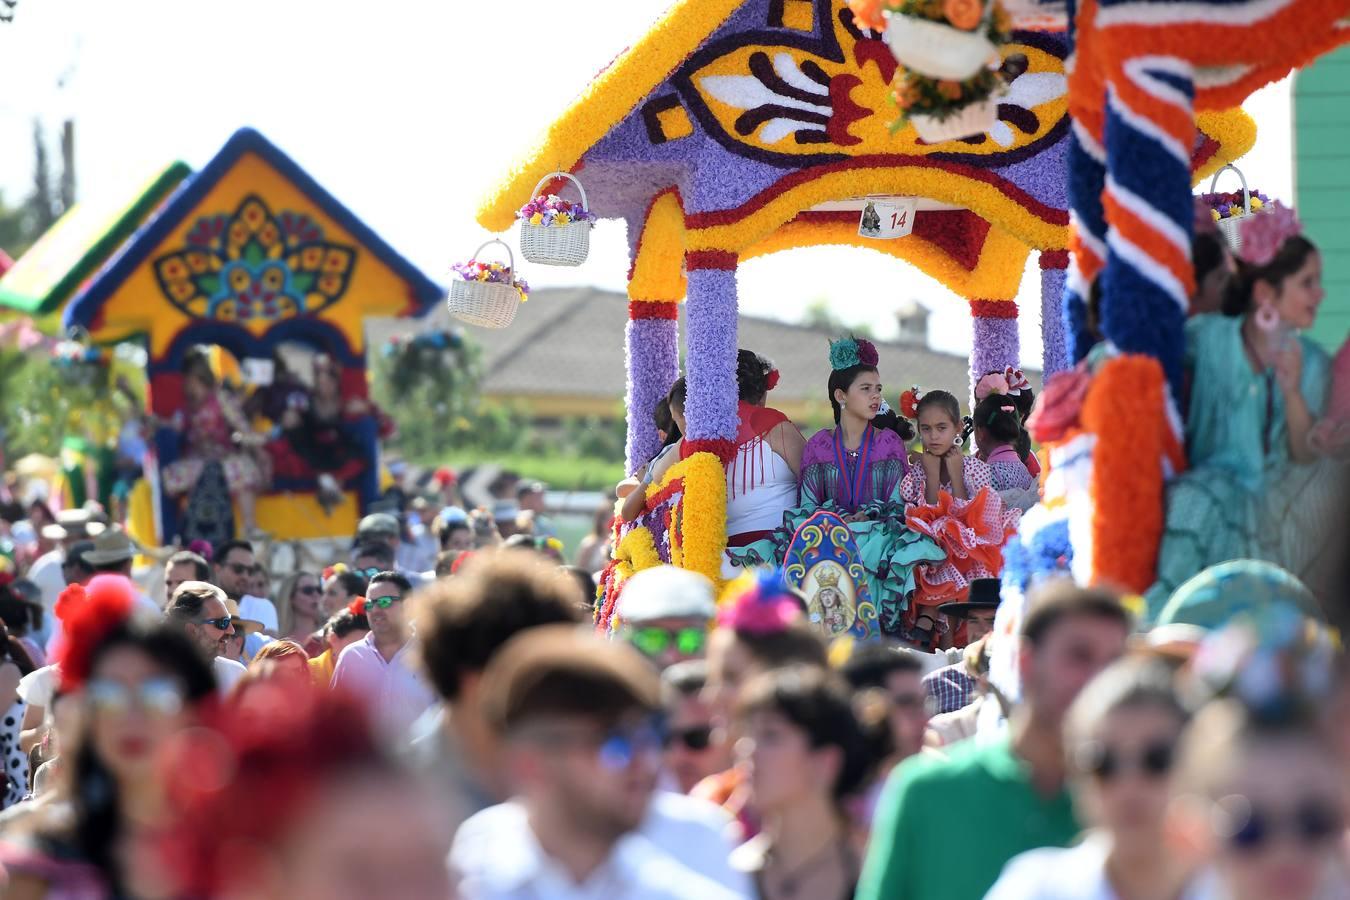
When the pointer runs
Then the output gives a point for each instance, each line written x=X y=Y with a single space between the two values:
x=484 y=303
x=557 y=245
x=1232 y=227
x=938 y=50
x=977 y=118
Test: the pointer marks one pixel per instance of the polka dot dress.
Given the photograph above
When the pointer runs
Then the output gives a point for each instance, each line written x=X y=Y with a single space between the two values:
x=16 y=763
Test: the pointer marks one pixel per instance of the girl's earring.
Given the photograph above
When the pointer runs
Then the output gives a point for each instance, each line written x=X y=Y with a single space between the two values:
x=959 y=440
x=1267 y=319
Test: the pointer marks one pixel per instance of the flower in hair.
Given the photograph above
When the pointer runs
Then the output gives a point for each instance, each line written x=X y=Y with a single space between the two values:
x=759 y=603
x=203 y=549
x=1264 y=235
x=909 y=402
x=773 y=379
x=357 y=607
x=993 y=383
x=1017 y=382
x=87 y=615
x=846 y=353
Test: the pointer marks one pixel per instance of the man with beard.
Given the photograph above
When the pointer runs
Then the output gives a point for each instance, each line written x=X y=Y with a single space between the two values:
x=582 y=750
x=199 y=609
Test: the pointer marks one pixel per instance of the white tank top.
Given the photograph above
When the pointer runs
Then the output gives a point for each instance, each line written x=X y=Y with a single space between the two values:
x=760 y=488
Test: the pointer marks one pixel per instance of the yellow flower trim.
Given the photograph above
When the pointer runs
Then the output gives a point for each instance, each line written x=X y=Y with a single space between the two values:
x=658 y=271
x=1235 y=132
x=637 y=550
x=703 y=515
x=986 y=200
x=997 y=275
x=606 y=101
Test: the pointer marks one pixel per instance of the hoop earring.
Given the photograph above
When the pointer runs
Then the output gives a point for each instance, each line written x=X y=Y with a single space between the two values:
x=958 y=440
x=1266 y=318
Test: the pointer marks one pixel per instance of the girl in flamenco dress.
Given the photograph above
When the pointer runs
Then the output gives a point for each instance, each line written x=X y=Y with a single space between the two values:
x=855 y=470
x=1257 y=486
x=952 y=500
x=998 y=431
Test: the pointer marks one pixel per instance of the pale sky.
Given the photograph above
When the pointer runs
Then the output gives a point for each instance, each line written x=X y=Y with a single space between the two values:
x=406 y=111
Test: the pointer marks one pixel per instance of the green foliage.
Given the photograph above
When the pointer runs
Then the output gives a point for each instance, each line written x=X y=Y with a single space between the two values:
x=45 y=403
x=819 y=314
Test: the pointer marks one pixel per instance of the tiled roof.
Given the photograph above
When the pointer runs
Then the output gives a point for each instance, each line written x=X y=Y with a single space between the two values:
x=570 y=343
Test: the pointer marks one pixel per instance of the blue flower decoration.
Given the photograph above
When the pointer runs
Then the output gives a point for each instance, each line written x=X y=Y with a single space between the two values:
x=844 y=354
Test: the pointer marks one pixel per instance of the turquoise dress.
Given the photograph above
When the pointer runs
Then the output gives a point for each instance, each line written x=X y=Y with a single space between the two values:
x=1243 y=496
x=832 y=480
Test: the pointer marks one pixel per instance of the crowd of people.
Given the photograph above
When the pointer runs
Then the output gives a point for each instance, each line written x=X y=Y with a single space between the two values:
x=369 y=731
x=452 y=711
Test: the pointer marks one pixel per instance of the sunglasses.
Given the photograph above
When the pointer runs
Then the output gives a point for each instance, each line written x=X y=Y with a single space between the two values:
x=655 y=641
x=382 y=602
x=1311 y=822
x=620 y=746
x=309 y=589
x=368 y=572
x=696 y=738
x=159 y=696
x=239 y=568
x=222 y=623
x=1107 y=763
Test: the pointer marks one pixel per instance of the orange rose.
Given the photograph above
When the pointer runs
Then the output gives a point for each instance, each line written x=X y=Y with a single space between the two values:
x=963 y=14
x=951 y=90
x=867 y=14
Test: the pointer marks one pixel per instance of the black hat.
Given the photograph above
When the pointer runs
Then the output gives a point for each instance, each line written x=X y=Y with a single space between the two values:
x=983 y=595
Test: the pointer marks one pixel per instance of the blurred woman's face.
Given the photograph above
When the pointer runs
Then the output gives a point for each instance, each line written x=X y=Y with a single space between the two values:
x=1122 y=774
x=782 y=767
x=377 y=836
x=1280 y=824
x=305 y=596
x=132 y=706
x=730 y=666
x=335 y=597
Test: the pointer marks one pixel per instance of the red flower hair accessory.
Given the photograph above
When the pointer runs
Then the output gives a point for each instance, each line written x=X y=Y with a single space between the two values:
x=909 y=402
x=203 y=549
x=759 y=604
x=87 y=615
x=357 y=607
x=773 y=379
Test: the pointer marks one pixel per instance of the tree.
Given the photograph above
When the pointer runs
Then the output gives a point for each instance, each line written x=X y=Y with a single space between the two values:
x=16 y=231
x=45 y=206
x=820 y=315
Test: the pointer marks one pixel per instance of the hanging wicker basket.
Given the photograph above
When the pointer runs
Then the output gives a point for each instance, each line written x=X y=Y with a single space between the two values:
x=1232 y=226
x=938 y=50
x=977 y=118
x=557 y=245
x=487 y=304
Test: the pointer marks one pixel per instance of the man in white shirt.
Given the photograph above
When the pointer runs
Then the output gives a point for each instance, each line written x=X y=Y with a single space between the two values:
x=582 y=753
x=380 y=668
x=200 y=610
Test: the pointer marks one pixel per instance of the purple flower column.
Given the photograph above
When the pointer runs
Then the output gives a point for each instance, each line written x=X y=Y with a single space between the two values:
x=711 y=367
x=1054 y=340
x=995 y=343
x=652 y=348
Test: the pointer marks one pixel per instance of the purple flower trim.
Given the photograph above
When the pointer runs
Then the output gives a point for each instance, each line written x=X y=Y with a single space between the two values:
x=653 y=359
x=995 y=347
x=1053 y=339
x=711 y=368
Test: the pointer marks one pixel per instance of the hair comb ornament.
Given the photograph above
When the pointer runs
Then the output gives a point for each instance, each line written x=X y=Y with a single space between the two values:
x=848 y=352
x=1264 y=235
x=759 y=603
x=1017 y=381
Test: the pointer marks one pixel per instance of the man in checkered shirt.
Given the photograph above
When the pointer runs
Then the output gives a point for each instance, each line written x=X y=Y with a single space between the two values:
x=952 y=687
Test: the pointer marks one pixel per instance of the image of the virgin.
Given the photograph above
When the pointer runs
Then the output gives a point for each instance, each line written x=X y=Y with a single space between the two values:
x=832 y=598
x=871 y=220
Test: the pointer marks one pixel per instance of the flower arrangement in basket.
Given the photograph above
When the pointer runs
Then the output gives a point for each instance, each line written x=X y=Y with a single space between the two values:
x=1229 y=210
x=950 y=76
x=553 y=231
x=487 y=293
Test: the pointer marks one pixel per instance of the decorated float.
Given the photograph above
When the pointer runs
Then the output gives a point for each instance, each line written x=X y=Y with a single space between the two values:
x=245 y=258
x=739 y=128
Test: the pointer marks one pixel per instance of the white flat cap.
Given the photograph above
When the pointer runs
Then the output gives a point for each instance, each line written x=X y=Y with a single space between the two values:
x=665 y=592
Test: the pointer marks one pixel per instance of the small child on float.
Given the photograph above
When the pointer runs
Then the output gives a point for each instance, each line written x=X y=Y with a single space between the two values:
x=951 y=499
x=998 y=432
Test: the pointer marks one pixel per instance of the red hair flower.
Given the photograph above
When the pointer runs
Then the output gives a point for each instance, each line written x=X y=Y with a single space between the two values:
x=909 y=402
x=759 y=603
x=87 y=615
x=357 y=607
x=773 y=379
